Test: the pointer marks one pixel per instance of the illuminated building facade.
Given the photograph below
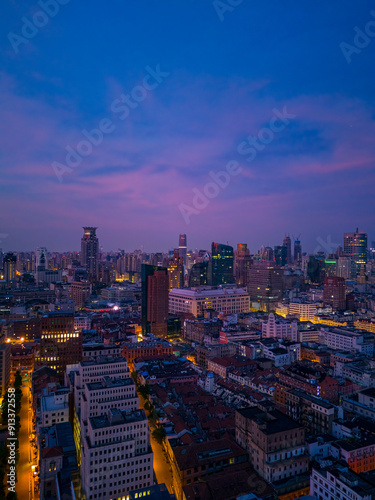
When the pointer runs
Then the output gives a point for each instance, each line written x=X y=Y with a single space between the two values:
x=60 y=344
x=355 y=246
x=176 y=271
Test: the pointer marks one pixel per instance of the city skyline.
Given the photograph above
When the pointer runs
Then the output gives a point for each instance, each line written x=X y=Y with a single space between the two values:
x=193 y=105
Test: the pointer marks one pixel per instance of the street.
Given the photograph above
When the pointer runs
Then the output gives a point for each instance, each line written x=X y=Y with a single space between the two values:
x=23 y=486
x=161 y=466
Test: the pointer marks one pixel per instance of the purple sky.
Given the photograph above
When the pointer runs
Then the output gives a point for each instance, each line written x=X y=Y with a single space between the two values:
x=315 y=177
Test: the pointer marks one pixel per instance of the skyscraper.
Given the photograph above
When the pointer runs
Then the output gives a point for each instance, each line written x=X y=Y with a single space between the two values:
x=182 y=248
x=40 y=263
x=334 y=293
x=281 y=255
x=176 y=271
x=90 y=252
x=155 y=283
x=222 y=264
x=297 y=251
x=242 y=263
x=265 y=284
x=9 y=264
x=355 y=246
x=198 y=275
x=288 y=244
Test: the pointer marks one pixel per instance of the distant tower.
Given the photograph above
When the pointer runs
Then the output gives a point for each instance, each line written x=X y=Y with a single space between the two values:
x=90 y=252
x=355 y=246
x=176 y=271
x=9 y=264
x=242 y=263
x=297 y=251
x=288 y=244
x=40 y=262
x=182 y=247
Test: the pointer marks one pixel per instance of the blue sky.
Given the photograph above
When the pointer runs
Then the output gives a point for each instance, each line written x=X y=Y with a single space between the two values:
x=224 y=77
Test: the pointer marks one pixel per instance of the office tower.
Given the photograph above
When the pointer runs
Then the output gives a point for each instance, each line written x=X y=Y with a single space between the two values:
x=330 y=266
x=155 y=284
x=281 y=255
x=242 y=263
x=182 y=247
x=41 y=257
x=355 y=246
x=334 y=293
x=80 y=292
x=41 y=263
x=176 y=271
x=297 y=251
x=268 y=253
x=198 y=275
x=222 y=264
x=288 y=244
x=60 y=345
x=9 y=265
x=314 y=269
x=90 y=252
x=265 y=284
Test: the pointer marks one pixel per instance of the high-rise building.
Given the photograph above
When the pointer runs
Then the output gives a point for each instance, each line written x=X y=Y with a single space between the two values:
x=199 y=274
x=9 y=265
x=355 y=246
x=242 y=263
x=288 y=244
x=222 y=264
x=41 y=263
x=176 y=271
x=281 y=255
x=265 y=284
x=5 y=354
x=334 y=293
x=182 y=248
x=80 y=292
x=60 y=344
x=297 y=251
x=155 y=287
x=90 y=252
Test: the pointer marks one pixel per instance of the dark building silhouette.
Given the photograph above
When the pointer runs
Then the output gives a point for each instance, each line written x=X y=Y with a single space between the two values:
x=90 y=252
x=182 y=247
x=281 y=255
x=242 y=264
x=334 y=293
x=155 y=287
x=265 y=284
x=288 y=244
x=222 y=264
x=198 y=275
x=297 y=251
